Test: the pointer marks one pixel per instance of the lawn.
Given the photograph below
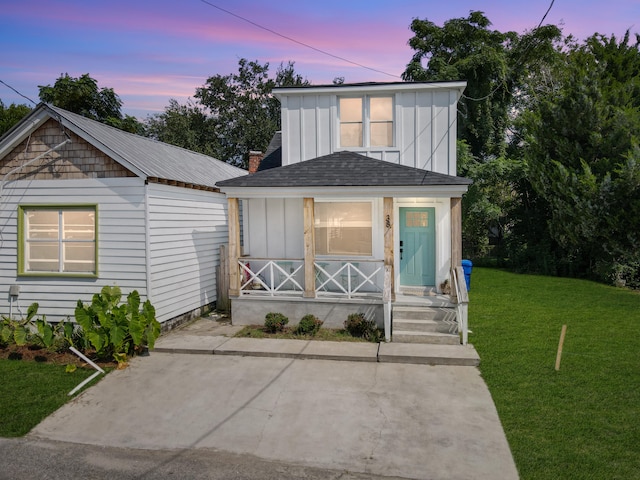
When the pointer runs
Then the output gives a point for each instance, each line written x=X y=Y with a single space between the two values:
x=583 y=421
x=30 y=391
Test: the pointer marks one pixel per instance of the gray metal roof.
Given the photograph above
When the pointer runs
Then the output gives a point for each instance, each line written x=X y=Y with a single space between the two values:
x=344 y=169
x=153 y=158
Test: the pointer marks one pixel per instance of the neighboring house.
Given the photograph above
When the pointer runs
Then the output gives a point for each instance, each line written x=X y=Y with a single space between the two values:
x=361 y=181
x=83 y=205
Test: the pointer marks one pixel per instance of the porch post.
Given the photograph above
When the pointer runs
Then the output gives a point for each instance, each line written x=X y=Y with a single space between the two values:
x=234 y=247
x=388 y=240
x=309 y=249
x=456 y=232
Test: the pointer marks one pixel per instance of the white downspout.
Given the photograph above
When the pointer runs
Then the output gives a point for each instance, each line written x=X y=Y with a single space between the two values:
x=147 y=241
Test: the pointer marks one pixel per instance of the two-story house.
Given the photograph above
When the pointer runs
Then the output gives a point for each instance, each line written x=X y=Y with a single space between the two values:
x=364 y=210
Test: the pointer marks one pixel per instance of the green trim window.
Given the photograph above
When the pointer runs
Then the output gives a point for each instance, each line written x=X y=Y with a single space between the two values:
x=366 y=121
x=57 y=240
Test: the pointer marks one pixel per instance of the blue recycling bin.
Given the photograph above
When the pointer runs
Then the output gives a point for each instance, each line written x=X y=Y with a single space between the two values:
x=467 y=267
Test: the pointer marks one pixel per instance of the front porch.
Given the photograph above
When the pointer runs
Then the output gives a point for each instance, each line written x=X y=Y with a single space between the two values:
x=344 y=234
x=341 y=288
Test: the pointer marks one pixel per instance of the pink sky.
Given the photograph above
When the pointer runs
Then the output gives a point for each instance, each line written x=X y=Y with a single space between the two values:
x=149 y=51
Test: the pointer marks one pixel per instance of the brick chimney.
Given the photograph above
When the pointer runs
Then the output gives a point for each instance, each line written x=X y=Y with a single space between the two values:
x=255 y=158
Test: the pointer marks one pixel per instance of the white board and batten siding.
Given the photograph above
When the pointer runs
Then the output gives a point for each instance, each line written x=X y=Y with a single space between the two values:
x=274 y=228
x=424 y=128
x=121 y=242
x=186 y=229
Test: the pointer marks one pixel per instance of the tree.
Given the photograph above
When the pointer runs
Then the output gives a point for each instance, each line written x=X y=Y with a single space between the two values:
x=11 y=115
x=493 y=63
x=497 y=66
x=244 y=113
x=583 y=155
x=83 y=96
x=187 y=126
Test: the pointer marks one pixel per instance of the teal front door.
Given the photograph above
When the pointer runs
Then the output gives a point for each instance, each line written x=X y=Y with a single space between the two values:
x=417 y=246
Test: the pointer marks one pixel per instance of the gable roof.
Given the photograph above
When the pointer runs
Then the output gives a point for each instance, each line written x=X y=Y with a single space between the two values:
x=273 y=155
x=344 y=169
x=144 y=156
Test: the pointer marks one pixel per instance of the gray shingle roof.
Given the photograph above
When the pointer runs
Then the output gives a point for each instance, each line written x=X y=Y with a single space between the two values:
x=344 y=169
x=153 y=158
x=273 y=155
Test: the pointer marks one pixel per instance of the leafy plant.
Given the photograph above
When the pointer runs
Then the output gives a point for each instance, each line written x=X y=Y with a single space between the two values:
x=275 y=322
x=117 y=330
x=18 y=331
x=358 y=326
x=309 y=325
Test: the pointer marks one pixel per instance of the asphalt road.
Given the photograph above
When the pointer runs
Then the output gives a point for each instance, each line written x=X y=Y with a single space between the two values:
x=36 y=459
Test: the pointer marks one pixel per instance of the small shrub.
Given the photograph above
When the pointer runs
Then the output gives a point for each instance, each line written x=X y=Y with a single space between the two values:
x=309 y=325
x=358 y=326
x=275 y=322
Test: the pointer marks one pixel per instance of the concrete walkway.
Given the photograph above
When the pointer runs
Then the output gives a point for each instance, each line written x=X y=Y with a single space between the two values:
x=395 y=419
x=212 y=337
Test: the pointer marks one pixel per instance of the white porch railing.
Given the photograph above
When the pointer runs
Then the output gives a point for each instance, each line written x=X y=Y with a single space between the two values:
x=271 y=276
x=462 y=303
x=349 y=278
x=280 y=276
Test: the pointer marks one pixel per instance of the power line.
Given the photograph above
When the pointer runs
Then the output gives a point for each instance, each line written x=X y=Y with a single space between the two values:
x=546 y=13
x=23 y=96
x=324 y=52
x=503 y=80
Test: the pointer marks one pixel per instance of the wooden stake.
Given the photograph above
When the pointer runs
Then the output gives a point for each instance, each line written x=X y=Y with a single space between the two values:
x=559 y=355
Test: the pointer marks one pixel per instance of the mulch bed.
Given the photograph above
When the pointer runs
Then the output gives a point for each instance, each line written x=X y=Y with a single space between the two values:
x=31 y=353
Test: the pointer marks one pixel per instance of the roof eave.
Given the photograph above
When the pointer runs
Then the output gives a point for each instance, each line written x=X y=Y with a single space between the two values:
x=395 y=191
x=67 y=123
x=381 y=87
x=23 y=129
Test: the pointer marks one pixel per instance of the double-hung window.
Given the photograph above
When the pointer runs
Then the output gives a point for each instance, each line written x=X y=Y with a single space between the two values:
x=366 y=121
x=56 y=240
x=343 y=228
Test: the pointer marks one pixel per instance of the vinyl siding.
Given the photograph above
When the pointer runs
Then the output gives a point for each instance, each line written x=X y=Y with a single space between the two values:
x=121 y=242
x=186 y=229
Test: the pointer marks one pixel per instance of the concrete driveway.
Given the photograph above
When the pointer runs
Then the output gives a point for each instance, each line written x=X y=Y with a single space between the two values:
x=401 y=420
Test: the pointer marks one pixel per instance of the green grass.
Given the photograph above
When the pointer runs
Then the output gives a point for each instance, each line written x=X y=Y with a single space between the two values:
x=583 y=421
x=325 y=334
x=31 y=391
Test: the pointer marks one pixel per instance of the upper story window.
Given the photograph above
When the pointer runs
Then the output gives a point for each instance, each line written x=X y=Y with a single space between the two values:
x=57 y=240
x=366 y=121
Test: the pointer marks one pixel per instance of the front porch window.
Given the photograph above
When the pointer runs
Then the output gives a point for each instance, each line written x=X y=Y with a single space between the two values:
x=343 y=228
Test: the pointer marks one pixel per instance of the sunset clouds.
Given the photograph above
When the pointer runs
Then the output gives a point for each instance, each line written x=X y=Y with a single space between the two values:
x=151 y=50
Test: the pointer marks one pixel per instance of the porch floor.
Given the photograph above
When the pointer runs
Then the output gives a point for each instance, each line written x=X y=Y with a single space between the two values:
x=214 y=336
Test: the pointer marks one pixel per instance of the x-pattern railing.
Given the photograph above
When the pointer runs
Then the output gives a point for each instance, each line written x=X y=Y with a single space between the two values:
x=273 y=268
x=353 y=276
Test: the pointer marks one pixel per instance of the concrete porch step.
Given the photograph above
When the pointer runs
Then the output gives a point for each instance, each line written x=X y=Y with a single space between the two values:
x=438 y=326
x=436 y=338
x=411 y=325
x=460 y=355
x=423 y=313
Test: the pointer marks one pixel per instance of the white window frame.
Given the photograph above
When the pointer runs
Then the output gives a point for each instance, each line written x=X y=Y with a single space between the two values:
x=24 y=240
x=366 y=122
x=375 y=226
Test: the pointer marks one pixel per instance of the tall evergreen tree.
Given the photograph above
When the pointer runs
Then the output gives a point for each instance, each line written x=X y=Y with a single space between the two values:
x=583 y=157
